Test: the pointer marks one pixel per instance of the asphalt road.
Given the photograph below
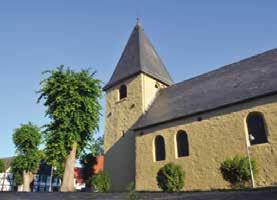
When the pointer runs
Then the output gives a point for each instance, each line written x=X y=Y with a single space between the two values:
x=264 y=194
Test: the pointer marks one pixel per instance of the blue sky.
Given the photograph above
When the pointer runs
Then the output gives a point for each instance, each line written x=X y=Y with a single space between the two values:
x=192 y=37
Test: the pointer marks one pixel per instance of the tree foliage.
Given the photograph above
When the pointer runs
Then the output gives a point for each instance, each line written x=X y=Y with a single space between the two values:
x=26 y=139
x=72 y=104
x=17 y=178
x=97 y=146
x=100 y=182
x=237 y=170
x=2 y=166
x=17 y=168
x=170 y=178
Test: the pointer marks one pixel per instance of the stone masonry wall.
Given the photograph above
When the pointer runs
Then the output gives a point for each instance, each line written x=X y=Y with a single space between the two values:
x=121 y=115
x=220 y=135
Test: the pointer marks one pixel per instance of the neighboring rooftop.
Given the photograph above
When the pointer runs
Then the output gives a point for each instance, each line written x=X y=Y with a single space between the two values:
x=7 y=161
x=247 y=79
x=139 y=56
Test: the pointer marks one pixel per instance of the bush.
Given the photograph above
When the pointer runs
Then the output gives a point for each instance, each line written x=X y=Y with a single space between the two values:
x=170 y=178
x=100 y=182
x=132 y=194
x=237 y=170
x=2 y=166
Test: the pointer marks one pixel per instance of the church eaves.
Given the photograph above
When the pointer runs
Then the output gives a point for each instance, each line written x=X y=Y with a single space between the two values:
x=139 y=56
x=242 y=81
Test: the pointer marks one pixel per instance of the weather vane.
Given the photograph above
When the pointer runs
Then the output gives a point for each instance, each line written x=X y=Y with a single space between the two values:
x=138 y=20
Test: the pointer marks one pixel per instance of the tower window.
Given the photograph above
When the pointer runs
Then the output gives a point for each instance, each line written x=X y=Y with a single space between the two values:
x=159 y=148
x=256 y=128
x=122 y=91
x=182 y=144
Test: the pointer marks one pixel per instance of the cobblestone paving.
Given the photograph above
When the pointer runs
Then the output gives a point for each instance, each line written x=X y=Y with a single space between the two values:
x=265 y=194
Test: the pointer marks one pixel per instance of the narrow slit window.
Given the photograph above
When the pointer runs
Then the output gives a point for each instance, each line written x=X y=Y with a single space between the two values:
x=122 y=91
x=159 y=148
x=182 y=144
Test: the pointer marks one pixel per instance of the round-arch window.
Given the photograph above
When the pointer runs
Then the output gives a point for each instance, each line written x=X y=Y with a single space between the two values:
x=182 y=144
x=256 y=128
x=159 y=148
x=122 y=91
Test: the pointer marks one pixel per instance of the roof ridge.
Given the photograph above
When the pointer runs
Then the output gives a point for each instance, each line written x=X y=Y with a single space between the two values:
x=138 y=26
x=222 y=67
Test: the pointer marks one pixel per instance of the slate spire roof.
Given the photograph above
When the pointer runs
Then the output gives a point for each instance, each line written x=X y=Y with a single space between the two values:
x=139 y=56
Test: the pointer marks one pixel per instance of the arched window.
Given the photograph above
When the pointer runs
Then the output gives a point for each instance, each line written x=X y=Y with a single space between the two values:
x=182 y=144
x=122 y=91
x=159 y=148
x=256 y=128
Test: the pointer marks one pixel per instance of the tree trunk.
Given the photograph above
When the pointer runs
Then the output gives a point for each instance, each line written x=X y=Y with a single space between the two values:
x=27 y=180
x=68 y=176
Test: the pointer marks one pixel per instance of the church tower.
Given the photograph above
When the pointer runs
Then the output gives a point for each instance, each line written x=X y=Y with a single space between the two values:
x=138 y=76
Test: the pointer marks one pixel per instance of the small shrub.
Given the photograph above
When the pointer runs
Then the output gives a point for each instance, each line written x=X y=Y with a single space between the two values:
x=237 y=170
x=2 y=166
x=100 y=182
x=132 y=194
x=170 y=178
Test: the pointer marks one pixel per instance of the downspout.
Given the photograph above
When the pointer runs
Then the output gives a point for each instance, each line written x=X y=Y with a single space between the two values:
x=249 y=158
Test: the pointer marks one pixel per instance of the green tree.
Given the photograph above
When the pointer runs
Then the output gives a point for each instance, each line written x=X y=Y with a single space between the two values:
x=100 y=182
x=72 y=101
x=2 y=166
x=237 y=170
x=17 y=169
x=26 y=139
x=97 y=146
x=170 y=178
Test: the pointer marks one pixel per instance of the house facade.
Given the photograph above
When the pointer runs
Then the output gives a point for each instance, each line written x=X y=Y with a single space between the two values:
x=6 y=178
x=197 y=123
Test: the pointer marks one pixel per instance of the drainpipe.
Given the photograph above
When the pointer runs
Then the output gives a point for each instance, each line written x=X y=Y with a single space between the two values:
x=249 y=161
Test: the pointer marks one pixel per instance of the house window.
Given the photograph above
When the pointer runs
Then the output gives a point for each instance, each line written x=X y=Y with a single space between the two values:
x=182 y=144
x=159 y=148
x=122 y=91
x=256 y=128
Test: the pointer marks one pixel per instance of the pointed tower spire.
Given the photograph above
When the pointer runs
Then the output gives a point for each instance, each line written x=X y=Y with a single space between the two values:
x=139 y=56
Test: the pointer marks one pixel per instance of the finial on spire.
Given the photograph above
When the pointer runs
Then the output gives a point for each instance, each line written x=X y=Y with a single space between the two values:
x=138 y=21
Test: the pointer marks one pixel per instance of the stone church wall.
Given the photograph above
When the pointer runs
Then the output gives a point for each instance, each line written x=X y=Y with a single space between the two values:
x=220 y=134
x=121 y=115
x=119 y=141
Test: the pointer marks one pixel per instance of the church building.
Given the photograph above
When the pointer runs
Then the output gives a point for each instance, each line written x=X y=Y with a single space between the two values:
x=197 y=123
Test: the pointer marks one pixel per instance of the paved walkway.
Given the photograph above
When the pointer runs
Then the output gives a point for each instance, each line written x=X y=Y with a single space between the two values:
x=263 y=194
